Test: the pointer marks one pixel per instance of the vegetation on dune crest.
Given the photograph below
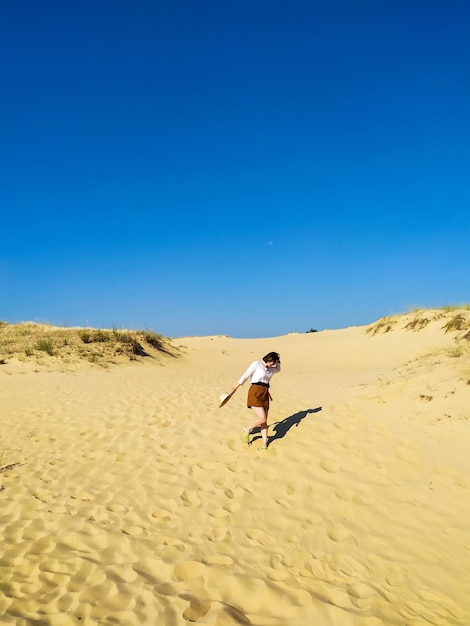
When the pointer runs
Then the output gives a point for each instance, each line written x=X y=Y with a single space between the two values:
x=383 y=325
x=457 y=323
x=29 y=342
x=453 y=319
x=458 y=319
x=456 y=307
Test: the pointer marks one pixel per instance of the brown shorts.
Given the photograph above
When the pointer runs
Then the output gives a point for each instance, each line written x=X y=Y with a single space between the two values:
x=258 y=396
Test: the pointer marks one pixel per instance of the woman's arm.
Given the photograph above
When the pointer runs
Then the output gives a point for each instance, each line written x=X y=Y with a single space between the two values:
x=249 y=372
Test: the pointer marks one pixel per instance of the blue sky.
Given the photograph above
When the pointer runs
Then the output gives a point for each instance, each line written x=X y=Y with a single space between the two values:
x=248 y=167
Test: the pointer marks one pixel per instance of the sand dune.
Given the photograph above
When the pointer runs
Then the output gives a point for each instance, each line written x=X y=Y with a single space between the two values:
x=128 y=497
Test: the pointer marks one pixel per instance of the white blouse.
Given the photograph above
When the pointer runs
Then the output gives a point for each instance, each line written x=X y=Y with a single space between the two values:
x=260 y=373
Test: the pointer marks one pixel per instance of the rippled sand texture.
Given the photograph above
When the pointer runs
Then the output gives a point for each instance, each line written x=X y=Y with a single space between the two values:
x=128 y=497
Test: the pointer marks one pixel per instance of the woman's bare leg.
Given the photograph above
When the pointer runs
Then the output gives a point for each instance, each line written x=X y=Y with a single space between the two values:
x=261 y=421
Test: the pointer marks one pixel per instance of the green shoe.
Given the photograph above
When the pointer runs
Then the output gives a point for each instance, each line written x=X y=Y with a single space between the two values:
x=245 y=436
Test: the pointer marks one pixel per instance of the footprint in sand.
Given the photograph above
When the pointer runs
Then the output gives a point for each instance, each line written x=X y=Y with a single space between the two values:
x=135 y=531
x=413 y=610
x=313 y=568
x=116 y=508
x=445 y=607
x=43 y=495
x=338 y=532
x=329 y=466
x=220 y=559
x=121 y=574
x=361 y=595
x=171 y=549
x=151 y=570
x=217 y=513
x=122 y=457
x=394 y=576
x=232 y=506
x=332 y=595
x=219 y=534
x=90 y=435
x=254 y=592
x=42 y=546
x=162 y=516
x=206 y=466
x=294 y=559
x=190 y=498
x=100 y=593
x=345 y=493
x=196 y=610
x=259 y=536
x=189 y=569
x=82 y=577
x=100 y=517
x=84 y=496
x=312 y=520
x=277 y=574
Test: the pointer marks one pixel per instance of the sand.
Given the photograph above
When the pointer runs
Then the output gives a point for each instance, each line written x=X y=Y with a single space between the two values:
x=128 y=497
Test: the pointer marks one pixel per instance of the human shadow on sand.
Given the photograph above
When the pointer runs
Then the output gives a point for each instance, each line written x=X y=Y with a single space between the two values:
x=280 y=429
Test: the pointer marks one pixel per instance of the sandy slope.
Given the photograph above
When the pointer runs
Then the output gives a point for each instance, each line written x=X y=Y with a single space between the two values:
x=129 y=497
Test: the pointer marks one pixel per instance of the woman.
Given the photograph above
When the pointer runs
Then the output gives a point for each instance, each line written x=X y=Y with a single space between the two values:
x=261 y=373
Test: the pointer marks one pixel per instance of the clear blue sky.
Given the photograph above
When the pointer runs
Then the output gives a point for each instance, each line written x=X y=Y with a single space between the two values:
x=239 y=167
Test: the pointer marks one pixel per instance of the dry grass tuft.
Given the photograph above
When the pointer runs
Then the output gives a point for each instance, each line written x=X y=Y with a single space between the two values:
x=456 y=351
x=458 y=322
x=383 y=325
x=424 y=397
x=458 y=319
x=68 y=348
x=450 y=308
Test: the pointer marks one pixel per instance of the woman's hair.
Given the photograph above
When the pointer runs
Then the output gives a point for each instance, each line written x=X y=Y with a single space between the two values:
x=272 y=356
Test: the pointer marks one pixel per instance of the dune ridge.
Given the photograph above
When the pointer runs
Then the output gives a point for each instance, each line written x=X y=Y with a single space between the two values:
x=128 y=497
